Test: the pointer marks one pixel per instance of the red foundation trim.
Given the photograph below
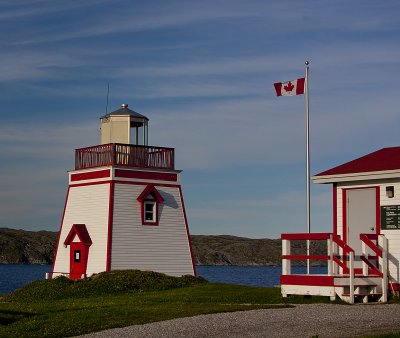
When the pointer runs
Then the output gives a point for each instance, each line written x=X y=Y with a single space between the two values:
x=110 y=226
x=307 y=280
x=59 y=233
x=187 y=231
x=90 y=175
x=146 y=175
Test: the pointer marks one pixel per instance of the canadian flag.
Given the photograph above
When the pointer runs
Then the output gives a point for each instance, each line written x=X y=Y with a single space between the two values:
x=289 y=88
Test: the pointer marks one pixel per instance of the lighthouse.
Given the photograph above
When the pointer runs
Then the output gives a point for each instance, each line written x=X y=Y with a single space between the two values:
x=124 y=207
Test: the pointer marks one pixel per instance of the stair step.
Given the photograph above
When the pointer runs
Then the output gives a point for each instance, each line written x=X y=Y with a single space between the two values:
x=362 y=294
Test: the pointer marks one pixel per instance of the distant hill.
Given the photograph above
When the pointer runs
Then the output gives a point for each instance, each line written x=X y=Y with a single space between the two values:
x=27 y=247
x=30 y=247
x=231 y=250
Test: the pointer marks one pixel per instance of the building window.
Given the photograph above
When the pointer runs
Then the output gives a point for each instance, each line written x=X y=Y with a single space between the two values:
x=77 y=256
x=150 y=200
x=149 y=211
x=390 y=191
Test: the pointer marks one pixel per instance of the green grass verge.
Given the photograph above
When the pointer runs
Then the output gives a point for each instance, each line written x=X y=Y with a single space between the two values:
x=62 y=308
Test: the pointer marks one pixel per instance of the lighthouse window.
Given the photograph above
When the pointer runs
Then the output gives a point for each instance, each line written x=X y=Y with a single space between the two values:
x=77 y=255
x=149 y=211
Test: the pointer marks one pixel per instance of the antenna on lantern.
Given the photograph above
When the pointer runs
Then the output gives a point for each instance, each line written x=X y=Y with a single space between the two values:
x=108 y=93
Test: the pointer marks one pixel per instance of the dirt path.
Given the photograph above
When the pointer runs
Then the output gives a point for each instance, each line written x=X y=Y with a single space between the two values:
x=324 y=320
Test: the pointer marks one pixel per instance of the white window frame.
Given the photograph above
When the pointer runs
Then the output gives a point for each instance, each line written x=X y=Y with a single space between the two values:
x=153 y=212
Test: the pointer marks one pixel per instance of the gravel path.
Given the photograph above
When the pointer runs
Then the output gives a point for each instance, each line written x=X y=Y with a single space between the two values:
x=306 y=320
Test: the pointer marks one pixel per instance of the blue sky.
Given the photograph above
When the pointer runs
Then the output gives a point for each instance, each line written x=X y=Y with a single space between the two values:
x=203 y=72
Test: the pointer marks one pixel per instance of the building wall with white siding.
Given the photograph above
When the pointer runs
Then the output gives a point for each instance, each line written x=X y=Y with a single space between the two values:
x=87 y=205
x=164 y=247
x=393 y=236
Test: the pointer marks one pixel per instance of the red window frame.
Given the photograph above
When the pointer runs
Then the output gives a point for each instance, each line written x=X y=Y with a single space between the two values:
x=150 y=194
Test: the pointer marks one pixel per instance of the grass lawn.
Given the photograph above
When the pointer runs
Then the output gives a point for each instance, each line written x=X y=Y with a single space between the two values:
x=60 y=309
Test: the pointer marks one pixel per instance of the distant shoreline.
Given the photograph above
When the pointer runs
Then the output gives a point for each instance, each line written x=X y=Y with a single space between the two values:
x=30 y=247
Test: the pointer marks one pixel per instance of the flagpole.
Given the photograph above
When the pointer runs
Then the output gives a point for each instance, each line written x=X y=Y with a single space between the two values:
x=308 y=166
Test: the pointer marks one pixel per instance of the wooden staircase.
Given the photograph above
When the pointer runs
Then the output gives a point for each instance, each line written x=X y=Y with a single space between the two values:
x=368 y=282
x=366 y=289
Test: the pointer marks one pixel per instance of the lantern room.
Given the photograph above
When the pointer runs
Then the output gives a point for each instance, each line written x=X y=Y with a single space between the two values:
x=124 y=126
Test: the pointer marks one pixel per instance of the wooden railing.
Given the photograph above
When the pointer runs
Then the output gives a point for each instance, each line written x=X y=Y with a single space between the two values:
x=335 y=259
x=376 y=264
x=340 y=257
x=124 y=155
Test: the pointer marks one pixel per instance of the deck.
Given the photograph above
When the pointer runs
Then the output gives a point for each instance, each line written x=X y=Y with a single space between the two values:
x=343 y=279
x=127 y=155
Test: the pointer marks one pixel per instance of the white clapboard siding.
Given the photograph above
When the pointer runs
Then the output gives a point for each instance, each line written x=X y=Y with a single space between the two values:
x=162 y=248
x=87 y=205
x=393 y=236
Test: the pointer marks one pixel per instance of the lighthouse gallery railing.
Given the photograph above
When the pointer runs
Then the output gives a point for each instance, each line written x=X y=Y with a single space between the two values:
x=124 y=155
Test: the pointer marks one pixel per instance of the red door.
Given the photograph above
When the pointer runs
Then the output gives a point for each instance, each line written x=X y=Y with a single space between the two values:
x=77 y=261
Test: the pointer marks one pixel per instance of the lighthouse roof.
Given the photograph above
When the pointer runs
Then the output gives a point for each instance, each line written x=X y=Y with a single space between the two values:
x=124 y=110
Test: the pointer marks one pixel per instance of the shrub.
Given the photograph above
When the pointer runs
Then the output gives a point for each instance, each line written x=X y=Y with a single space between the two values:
x=102 y=284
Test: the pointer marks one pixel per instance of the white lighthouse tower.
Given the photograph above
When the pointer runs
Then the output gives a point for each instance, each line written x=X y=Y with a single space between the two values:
x=124 y=207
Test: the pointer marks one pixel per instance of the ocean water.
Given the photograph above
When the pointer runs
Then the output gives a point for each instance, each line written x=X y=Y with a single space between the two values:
x=251 y=275
x=13 y=276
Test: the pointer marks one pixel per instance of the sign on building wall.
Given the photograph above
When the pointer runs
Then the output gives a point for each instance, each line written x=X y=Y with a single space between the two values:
x=390 y=217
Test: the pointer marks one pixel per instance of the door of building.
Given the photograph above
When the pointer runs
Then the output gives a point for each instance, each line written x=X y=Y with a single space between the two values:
x=360 y=218
x=77 y=266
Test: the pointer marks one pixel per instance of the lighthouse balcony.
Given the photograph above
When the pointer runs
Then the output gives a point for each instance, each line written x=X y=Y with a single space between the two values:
x=117 y=154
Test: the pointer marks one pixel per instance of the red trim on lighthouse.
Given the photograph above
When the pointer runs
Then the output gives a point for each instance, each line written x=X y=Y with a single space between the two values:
x=110 y=225
x=157 y=176
x=79 y=230
x=187 y=231
x=59 y=232
x=150 y=190
x=90 y=175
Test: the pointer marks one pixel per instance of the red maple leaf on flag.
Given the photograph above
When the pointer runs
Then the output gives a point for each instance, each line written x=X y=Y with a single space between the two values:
x=289 y=87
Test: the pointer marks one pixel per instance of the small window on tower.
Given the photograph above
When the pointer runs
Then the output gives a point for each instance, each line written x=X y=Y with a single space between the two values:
x=149 y=211
x=150 y=200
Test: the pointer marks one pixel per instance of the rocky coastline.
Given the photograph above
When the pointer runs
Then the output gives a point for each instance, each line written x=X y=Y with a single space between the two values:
x=31 y=247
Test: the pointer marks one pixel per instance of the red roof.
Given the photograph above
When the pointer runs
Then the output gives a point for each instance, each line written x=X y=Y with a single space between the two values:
x=150 y=189
x=381 y=160
x=81 y=231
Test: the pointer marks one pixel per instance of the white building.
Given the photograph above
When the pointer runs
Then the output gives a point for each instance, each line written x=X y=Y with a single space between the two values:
x=124 y=207
x=363 y=249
